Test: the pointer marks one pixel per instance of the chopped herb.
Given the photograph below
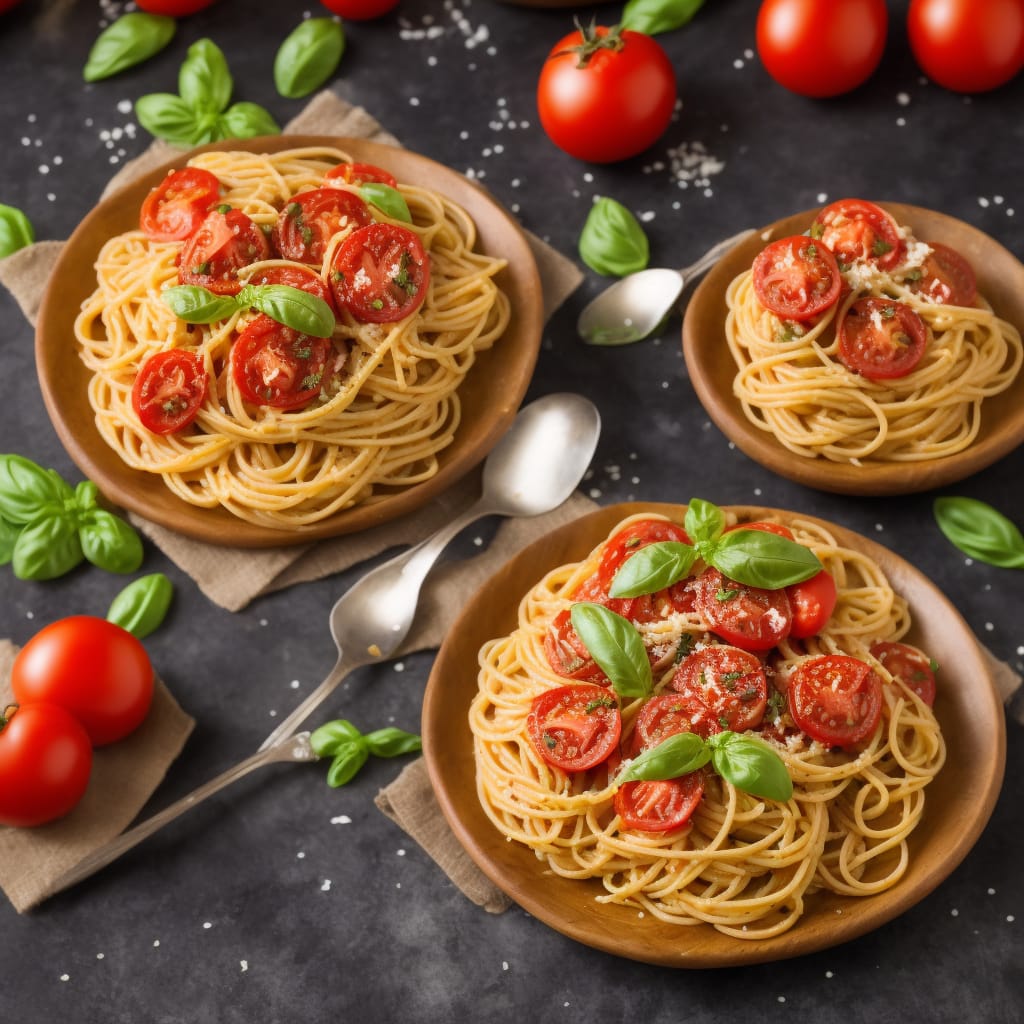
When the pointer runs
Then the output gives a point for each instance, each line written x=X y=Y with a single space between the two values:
x=913 y=275
x=881 y=247
x=601 y=702
x=723 y=722
x=751 y=693
x=776 y=703
x=729 y=680
x=302 y=353
x=888 y=312
x=686 y=642
x=377 y=304
x=549 y=741
x=817 y=229
x=224 y=208
x=632 y=542
x=307 y=234
x=337 y=275
x=933 y=664
x=726 y=595
x=311 y=381
x=201 y=268
x=812 y=252
x=402 y=278
x=293 y=210
x=843 y=267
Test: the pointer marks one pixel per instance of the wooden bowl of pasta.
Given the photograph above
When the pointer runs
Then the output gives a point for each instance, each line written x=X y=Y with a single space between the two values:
x=457 y=428
x=956 y=809
x=790 y=423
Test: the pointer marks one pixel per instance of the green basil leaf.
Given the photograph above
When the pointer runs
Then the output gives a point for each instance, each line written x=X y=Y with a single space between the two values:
x=292 y=307
x=652 y=17
x=308 y=56
x=204 y=81
x=680 y=754
x=197 y=305
x=612 y=241
x=347 y=762
x=392 y=742
x=615 y=645
x=46 y=548
x=130 y=40
x=169 y=117
x=109 y=542
x=245 y=121
x=761 y=559
x=142 y=606
x=704 y=522
x=328 y=739
x=978 y=530
x=16 y=231
x=27 y=490
x=86 y=495
x=653 y=568
x=387 y=199
x=751 y=765
x=8 y=535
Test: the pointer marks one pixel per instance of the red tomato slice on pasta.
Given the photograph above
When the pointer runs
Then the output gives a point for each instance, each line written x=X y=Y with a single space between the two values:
x=881 y=339
x=177 y=206
x=812 y=603
x=946 y=277
x=836 y=699
x=295 y=275
x=630 y=539
x=729 y=682
x=777 y=528
x=796 y=278
x=168 y=391
x=659 y=805
x=567 y=654
x=277 y=366
x=224 y=242
x=574 y=727
x=912 y=667
x=748 y=617
x=669 y=714
x=358 y=174
x=855 y=229
x=311 y=219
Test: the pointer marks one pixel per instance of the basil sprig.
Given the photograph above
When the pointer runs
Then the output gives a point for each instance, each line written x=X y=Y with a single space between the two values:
x=128 y=41
x=349 y=749
x=54 y=526
x=293 y=307
x=615 y=645
x=387 y=199
x=308 y=56
x=612 y=241
x=16 y=231
x=201 y=113
x=980 y=531
x=748 y=763
x=142 y=605
x=653 y=17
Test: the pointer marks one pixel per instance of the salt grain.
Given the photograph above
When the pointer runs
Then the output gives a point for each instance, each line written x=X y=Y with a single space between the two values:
x=341 y=819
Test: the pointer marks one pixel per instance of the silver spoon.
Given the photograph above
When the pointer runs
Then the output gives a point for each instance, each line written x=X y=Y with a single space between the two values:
x=634 y=307
x=533 y=469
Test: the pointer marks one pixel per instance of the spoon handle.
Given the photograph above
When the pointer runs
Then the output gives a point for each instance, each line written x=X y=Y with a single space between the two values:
x=713 y=255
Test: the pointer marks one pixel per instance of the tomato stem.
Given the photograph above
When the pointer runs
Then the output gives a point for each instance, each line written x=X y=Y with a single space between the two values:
x=592 y=42
x=8 y=714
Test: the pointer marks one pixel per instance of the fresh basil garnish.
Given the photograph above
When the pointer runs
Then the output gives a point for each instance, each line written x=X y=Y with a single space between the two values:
x=308 y=56
x=653 y=568
x=349 y=749
x=615 y=644
x=677 y=755
x=196 y=305
x=109 y=542
x=46 y=548
x=387 y=199
x=16 y=230
x=978 y=530
x=292 y=307
x=612 y=241
x=245 y=121
x=128 y=41
x=391 y=742
x=704 y=521
x=204 y=81
x=170 y=118
x=653 y=17
x=8 y=535
x=761 y=559
x=142 y=605
x=751 y=765
x=27 y=489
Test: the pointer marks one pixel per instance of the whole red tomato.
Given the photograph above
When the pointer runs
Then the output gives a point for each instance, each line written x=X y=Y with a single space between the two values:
x=90 y=667
x=606 y=94
x=360 y=10
x=172 y=8
x=967 y=45
x=821 y=47
x=45 y=763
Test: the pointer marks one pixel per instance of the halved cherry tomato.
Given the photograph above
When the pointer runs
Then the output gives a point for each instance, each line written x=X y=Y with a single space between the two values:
x=777 y=528
x=855 y=229
x=729 y=682
x=567 y=654
x=357 y=174
x=380 y=273
x=749 y=617
x=671 y=713
x=169 y=390
x=881 y=339
x=575 y=727
x=812 y=603
x=295 y=275
x=946 y=277
x=310 y=219
x=912 y=667
x=277 y=366
x=796 y=278
x=630 y=539
x=224 y=242
x=177 y=206
x=659 y=805
x=836 y=699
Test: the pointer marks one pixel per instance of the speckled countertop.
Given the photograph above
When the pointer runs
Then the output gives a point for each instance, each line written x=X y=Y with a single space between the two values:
x=288 y=901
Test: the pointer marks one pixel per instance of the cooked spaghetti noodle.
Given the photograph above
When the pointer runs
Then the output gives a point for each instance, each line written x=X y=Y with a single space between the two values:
x=395 y=407
x=743 y=865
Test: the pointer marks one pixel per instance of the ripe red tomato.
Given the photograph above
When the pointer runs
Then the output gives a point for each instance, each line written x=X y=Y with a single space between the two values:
x=92 y=668
x=224 y=242
x=796 y=278
x=605 y=95
x=45 y=763
x=748 y=617
x=172 y=8
x=967 y=45
x=169 y=389
x=278 y=366
x=178 y=205
x=836 y=699
x=659 y=805
x=821 y=49
x=575 y=727
x=360 y=10
x=881 y=339
x=812 y=603
x=908 y=664
x=308 y=222
x=729 y=682
x=945 y=277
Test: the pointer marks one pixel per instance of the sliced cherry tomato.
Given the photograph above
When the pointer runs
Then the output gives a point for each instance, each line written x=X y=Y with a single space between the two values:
x=749 y=617
x=177 y=206
x=45 y=764
x=169 y=390
x=278 y=366
x=659 y=805
x=357 y=174
x=881 y=339
x=567 y=654
x=836 y=699
x=296 y=275
x=575 y=727
x=630 y=539
x=912 y=667
x=812 y=603
x=92 y=668
x=946 y=277
x=796 y=278
x=729 y=682
x=311 y=219
x=671 y=713
x=855 y=229
x=777 y=528
x=224 y=242
x=380 y=273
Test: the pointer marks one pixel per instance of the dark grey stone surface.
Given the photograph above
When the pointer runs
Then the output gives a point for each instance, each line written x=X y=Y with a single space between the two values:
x=286 y=901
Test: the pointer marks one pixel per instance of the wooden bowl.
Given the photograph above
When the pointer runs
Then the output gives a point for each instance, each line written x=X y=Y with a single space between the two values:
x=957 y=805
x=712 y=368
x=490 y=394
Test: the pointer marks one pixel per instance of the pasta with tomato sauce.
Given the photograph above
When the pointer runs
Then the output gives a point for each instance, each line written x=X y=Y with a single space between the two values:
x=256 y=407
x=815 y=673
